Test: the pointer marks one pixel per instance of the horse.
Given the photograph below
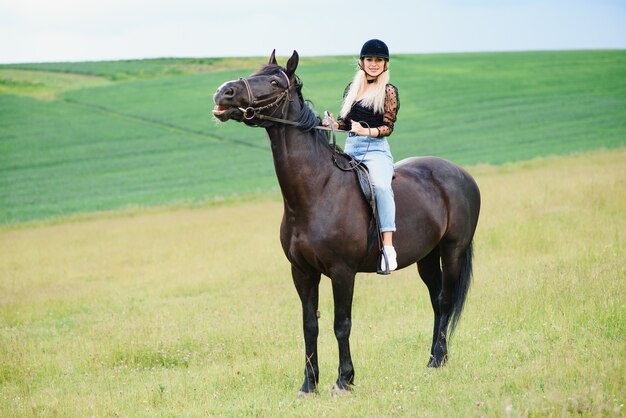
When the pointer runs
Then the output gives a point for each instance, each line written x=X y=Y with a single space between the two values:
x=324 y=229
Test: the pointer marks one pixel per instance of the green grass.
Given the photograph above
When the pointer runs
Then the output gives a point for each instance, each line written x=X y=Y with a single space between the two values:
x=522 y=105
x=140 y=133
x=139 y=69
x=44 y=85
x=192 y=312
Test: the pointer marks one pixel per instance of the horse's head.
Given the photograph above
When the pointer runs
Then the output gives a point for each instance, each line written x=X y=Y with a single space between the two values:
x=260 y=94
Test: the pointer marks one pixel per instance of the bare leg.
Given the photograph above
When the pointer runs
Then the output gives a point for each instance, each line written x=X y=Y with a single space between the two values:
x=388 y=238
x=389 y=255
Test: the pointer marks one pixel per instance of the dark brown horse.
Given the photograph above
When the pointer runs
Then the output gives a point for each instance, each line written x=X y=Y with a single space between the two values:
x=326 y=220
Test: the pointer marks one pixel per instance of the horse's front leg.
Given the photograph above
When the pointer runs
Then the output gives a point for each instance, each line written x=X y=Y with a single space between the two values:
x=343 y=291
x=307 y=285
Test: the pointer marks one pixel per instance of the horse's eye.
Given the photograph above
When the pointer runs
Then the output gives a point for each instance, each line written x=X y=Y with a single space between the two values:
x=274 y=83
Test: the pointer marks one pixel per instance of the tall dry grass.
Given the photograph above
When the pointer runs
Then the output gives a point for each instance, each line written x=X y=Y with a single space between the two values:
x=191 y=312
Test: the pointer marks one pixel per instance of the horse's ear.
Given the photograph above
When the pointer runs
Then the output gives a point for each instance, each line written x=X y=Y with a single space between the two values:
x=273 y=58
x=292 y=64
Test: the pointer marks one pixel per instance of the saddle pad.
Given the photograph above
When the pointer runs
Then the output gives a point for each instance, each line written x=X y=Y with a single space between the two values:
x=363 y=177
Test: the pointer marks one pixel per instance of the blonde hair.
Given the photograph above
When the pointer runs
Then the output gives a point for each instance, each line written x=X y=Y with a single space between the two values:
x=373 y=99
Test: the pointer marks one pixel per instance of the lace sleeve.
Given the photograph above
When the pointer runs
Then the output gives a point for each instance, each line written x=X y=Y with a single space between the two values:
x=392 y=106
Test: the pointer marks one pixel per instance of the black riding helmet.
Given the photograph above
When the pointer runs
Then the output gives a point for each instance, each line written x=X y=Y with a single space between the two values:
x=375 y=48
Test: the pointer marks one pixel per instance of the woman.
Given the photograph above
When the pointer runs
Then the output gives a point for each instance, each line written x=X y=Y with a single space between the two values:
x=369 y=110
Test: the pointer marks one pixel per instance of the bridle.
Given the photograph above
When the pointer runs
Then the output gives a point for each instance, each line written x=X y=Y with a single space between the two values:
x=252 y=112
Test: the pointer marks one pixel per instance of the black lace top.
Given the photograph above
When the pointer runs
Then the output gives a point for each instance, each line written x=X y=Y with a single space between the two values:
x=384 y=122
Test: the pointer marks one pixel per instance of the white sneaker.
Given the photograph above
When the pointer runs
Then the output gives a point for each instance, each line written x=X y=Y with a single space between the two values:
x=391 y=257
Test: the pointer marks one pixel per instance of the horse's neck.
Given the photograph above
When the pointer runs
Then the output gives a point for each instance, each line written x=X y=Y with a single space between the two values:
x=303 y=165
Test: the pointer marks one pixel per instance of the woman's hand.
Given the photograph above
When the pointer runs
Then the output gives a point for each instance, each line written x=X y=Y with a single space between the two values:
x=331 y=118
x=359 y=129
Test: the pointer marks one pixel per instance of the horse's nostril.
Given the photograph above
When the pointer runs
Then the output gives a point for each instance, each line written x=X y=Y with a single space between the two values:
x=225 y=91
x=229 y=92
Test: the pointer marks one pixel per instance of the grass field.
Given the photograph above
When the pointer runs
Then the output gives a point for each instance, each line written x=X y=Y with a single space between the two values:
x=84 y=137
x=191 y=311
x=141 y=273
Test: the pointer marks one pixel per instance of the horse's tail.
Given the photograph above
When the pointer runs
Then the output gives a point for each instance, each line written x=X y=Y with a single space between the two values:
x=462 y=287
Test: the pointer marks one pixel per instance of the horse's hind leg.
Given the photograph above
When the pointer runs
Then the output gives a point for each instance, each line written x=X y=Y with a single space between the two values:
x=452 y=259
x=430 y=271
x=307 y=285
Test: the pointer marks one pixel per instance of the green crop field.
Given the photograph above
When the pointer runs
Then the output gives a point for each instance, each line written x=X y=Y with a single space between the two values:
x=77 y=137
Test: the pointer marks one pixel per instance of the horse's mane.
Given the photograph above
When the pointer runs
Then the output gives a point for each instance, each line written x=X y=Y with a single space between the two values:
x=307 y=119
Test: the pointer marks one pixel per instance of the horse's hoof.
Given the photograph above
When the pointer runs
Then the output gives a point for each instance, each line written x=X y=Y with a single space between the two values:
x=337 y=391
x=433 y=362
x=305 y=395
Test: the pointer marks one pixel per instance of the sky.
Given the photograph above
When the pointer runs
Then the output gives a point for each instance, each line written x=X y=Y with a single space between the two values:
x=92 y=30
